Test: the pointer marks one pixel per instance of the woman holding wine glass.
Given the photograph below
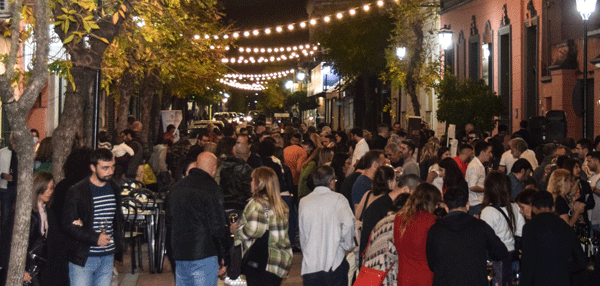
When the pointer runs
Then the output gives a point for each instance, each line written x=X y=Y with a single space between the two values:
x=265 y=218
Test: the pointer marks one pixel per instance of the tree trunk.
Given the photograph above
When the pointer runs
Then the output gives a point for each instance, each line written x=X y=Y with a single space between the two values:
x=149 y=86
x=71 y=121
x=125 y=87
x=17 y=111
x=413 y=72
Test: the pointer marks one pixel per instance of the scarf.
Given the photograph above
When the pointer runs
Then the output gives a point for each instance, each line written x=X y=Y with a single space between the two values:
x=43 y=218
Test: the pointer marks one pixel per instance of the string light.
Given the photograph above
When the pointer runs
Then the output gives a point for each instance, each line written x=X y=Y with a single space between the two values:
x=273 y=75
x=277 y=50
x=314 y=21
x=245 y=86
x=266 y=59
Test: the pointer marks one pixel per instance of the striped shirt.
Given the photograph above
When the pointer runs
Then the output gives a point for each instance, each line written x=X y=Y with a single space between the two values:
x=104 y=213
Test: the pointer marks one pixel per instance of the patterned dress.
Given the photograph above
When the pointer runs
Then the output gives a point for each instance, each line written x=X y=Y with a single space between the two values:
x=381 y=252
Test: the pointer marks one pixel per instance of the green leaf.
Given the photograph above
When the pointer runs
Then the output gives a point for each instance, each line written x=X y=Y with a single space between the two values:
x=68 y=39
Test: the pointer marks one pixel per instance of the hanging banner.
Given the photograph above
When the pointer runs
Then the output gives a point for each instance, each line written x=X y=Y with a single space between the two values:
x=171 y=117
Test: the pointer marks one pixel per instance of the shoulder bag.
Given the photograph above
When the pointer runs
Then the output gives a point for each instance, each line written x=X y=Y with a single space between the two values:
x=257 y=256
x=517 y=238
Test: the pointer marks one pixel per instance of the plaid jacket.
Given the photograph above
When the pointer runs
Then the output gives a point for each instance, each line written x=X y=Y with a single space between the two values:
x=258 y=218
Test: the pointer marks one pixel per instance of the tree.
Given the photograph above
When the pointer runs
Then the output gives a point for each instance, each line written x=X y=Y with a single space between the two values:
x=468 y=101
x=17 y=107
x=86 y=30
x=414 y=21
x=356 y=49
x=160 y=54
x=273 y=97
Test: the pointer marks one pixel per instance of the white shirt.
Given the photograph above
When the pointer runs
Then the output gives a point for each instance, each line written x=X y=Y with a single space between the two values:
x=326 y=230
x=508 y=160
x=475 y=176
x=360 y=150
x=500 y=226
x=594 y=214
x=438 y=181
x=5 y=155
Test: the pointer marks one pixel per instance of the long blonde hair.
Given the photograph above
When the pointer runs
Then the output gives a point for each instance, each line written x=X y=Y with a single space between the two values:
x=425 y=198
x=267 y=184
x=556 y=183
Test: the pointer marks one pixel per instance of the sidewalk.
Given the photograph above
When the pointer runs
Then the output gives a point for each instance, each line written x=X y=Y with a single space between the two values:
x=145 y=278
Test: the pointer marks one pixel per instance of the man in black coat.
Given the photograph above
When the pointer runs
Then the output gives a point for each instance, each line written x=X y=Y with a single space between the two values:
x=93 y=220
x=458 y=244
x=551 y=250
x=199 y=236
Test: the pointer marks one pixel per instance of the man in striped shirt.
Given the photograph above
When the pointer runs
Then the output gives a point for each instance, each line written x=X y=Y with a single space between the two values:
x=92 y=218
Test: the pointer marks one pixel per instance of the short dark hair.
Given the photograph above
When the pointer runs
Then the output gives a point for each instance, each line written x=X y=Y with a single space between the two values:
x=371 y=157
x=100 y=154
x=129 y=132
x=462 y=147
x=519 y=165
x=411 y=181
x=37 y=133
x=456 y=197
x=298 y=136
x=525 y=196
x=594 y=155
x=481 y=146
x=585 y=144
x=524 y=124
x=542 y=199
x=410 y=144
x=382 y=128
x=266 y=148
x=322 y=176
x=502 y=128
x=170 y=127
x=357 y=131
x=228 y=131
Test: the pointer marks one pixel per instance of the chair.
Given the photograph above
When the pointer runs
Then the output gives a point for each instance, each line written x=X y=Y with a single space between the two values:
x=130 y=212
x=150 y=208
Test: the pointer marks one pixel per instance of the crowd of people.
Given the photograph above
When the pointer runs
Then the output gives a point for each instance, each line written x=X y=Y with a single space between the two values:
x=421 y=209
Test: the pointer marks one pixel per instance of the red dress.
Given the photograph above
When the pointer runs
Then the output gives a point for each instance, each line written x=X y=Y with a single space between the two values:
x=412 y=262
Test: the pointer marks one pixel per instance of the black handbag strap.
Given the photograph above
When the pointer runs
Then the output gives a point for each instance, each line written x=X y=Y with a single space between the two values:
x=505 y=217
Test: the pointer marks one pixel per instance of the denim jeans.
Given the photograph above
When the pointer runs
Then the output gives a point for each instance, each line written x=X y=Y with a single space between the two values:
x=97 y=271
x=337 y=277
x=197 y=273
x=292 y=220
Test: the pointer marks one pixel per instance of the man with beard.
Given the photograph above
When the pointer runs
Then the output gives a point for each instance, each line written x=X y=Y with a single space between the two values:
x=93 y=219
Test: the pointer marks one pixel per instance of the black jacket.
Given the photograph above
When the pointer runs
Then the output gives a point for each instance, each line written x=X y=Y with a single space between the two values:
x=550 y=251
x=236 y=177
x=80 y=205
x=457 y=248
x=198 y=228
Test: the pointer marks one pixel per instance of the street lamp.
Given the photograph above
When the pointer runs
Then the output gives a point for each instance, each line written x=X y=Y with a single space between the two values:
x=401 y=52
x=300 y=76
x=445 y=37
x=585 y=8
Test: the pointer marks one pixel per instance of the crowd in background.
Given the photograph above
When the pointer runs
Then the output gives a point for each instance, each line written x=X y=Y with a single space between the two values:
x=423 y=209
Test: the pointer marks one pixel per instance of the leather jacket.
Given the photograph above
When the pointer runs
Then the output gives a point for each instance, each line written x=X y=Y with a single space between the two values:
x=236 y=177
x=195 y=210
x=80 y=205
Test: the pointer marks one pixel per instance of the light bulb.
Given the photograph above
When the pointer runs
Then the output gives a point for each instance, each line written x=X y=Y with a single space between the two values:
x=291 y=27
x=339 y=15
x=255 y=32
x=279 y=29
x=327 y=19
x=206 y=36
x=246 y=34
x=313 y=21
x=226 y=37
x=379 y=3
x=267 y=31
x=366 y=7
x=352 y=11
x=236 y=34
x=303 y=25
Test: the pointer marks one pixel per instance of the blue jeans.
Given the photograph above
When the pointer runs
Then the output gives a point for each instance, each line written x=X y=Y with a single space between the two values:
x=97 y=271
x=197 y=273
x=292 y=220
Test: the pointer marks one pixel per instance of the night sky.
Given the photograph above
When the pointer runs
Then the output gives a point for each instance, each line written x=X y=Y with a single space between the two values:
x=259 y=14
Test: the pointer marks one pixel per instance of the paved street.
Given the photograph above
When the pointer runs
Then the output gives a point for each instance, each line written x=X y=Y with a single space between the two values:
x=144 y=278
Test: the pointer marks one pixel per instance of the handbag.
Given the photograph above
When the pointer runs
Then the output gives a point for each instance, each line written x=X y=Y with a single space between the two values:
x=257 y=256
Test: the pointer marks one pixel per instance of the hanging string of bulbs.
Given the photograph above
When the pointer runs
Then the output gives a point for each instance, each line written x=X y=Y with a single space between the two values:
x=271 y=50
x=263 y=76
x=266 y=59
x=245 y=86
x=291 y=27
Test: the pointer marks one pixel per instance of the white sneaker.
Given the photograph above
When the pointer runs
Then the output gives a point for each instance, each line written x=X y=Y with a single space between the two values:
x=238 y=281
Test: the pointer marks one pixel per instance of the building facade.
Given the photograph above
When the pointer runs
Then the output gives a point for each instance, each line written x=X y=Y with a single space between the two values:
x=530 y=52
